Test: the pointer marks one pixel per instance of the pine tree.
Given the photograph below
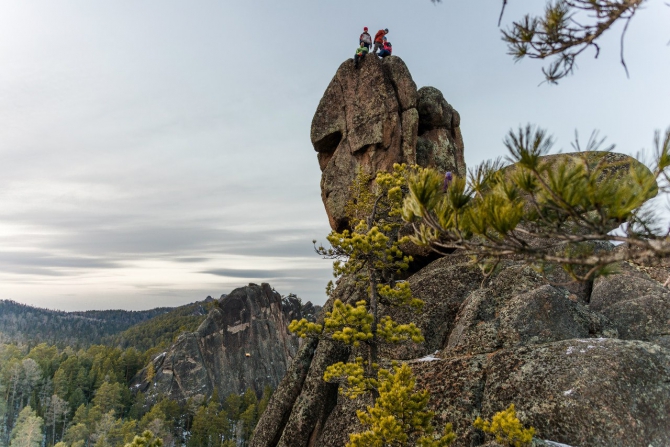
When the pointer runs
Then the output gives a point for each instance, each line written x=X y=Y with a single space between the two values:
x=27 y=431
x=370 y=255
x=151 y=372
x=399 y=416
x=507 y=428
x=210 y=426
x=546 y=212
x=248 y=419
x=147 y=439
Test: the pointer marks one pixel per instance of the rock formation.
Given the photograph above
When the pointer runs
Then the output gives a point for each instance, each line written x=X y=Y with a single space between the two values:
x=372 y=117
x=586 y=365
x=243 y=343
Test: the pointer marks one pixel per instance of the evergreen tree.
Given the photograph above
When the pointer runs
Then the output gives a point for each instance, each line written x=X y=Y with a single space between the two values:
x=248 y=419
x=108 y=397
x=210 y=426
x=147 y=439
x=27 y=431
x=370 y=256
x=399 y=416
x=547 y=212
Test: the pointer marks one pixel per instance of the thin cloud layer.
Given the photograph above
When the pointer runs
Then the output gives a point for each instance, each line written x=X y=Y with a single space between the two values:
x=155 y=153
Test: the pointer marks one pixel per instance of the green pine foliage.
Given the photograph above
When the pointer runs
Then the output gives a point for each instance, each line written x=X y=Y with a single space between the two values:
x=146 y=439
x=160 y=332
x=82 y=398
x=507 y=428
x=370 y=255
x=27 y=431
x=548 y=212
x=399 y=416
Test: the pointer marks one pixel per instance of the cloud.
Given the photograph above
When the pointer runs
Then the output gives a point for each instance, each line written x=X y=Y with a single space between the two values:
x=244 y=273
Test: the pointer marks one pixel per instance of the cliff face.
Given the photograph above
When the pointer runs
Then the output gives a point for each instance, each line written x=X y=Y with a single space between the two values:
x=585 y=365
x=243 y=343
x=372 y=117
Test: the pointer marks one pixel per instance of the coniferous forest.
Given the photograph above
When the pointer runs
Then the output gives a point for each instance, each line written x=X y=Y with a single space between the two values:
x=80 y=394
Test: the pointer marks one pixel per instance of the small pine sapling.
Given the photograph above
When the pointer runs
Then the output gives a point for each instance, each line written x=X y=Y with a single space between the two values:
x=147 y=439
x=399 y=416
x=370 y=254
x=507 y=428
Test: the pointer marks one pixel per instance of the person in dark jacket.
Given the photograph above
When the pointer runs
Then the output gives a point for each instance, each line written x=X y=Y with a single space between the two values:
x=365 y=39
x=387 y=49
x=360 y=54
x=379 y=39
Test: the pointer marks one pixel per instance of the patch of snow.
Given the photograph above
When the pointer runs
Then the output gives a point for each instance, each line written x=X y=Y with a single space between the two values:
x=556 y=444
x=569 y=350
x=162 y=354
x=590 y=340
x=428 y=358
x=567 y=393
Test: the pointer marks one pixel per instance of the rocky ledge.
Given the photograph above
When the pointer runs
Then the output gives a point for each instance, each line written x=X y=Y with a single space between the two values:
x=243 y=343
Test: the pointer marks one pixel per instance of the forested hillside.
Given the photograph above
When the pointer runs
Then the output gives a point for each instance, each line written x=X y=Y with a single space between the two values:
x=159 y=332
x=51 y=396
x=32 y=325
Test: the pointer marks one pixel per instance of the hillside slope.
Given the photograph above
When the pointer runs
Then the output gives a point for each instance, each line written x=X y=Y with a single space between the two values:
x=20 y=323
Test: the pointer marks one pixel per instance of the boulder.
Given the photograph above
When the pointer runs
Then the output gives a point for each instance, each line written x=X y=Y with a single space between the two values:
x=519 y=308
x=644 y=318
x=608 y=290
x=439 y=143
x=595 y=392
x=368 y=120
x=243 y=343
x=638 y=306
x=443 y=285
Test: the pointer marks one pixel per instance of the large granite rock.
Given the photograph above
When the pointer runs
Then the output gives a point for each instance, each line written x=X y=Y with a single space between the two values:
x=515 y=338
x=580 y=392
x=368 y=119
x=243 y=343
x=638 y=306
x=439 y=143
x=517 y=308
x=586 y=365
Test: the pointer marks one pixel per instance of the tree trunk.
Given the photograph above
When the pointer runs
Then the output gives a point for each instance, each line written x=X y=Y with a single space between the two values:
x=373 y=354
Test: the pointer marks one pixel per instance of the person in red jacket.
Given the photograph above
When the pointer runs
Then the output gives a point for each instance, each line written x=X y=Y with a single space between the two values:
x=379 y=39
x=365 y=39
x=387 y=50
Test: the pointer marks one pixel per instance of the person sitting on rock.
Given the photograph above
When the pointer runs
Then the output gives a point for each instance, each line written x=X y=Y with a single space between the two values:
x=365 y=39
x=360 y=54
x=386 y=50
x=379 y=39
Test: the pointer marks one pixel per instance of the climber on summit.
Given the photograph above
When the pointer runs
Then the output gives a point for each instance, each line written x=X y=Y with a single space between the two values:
x=360 y=54
x=379 y=39
x=386 y=50
x=365 y=39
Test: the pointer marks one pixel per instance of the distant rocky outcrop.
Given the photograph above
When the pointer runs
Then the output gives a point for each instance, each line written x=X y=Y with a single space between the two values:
x=586 y=365
x=372 y=117
x=243 y=343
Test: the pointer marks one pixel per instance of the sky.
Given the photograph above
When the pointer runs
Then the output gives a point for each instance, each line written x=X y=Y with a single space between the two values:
x=155 y=152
